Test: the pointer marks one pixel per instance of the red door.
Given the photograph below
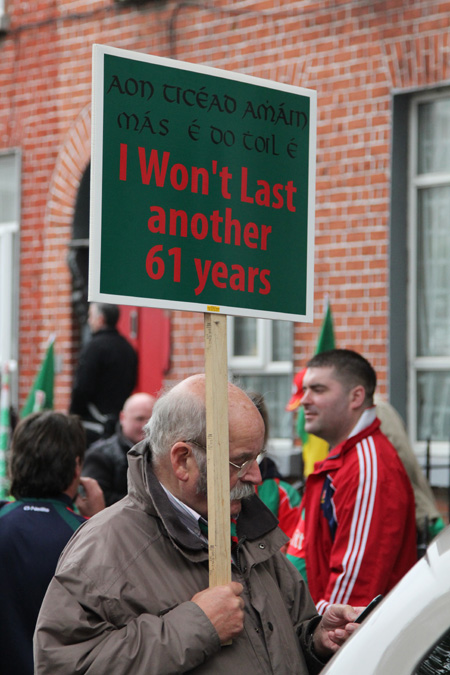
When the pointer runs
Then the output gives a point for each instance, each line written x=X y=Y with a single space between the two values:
x=148 y=330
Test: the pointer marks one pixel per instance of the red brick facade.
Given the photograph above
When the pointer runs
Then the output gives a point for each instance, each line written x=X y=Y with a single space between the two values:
x=355 y=53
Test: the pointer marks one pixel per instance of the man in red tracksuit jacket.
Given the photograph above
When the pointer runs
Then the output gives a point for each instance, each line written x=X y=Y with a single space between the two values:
x=357 y=532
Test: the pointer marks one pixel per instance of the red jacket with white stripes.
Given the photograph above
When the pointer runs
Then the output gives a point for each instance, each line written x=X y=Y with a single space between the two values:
x=360 y=530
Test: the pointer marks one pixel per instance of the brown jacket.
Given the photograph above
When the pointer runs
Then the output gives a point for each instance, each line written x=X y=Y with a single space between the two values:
x=120 y=600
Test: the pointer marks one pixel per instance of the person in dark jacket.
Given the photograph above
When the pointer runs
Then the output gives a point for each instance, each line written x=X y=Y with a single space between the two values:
x=106 y=374
x=45 y=465
x=106 y=459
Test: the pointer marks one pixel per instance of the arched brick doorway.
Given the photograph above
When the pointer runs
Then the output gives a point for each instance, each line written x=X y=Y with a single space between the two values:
x=68 y=212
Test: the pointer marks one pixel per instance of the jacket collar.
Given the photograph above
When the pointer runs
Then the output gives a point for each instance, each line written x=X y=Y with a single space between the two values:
x=62 y=497
x=367 y=418
x=367 y=424
x=255 y=519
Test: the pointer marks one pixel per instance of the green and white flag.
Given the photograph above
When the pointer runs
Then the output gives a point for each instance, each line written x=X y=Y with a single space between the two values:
x=41 y=394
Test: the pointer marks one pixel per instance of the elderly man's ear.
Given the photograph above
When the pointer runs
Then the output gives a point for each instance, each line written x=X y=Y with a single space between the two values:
x=182 y=460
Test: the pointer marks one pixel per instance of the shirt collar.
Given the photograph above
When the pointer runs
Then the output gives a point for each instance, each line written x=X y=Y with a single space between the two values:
x=366 y=419
x=188 y=516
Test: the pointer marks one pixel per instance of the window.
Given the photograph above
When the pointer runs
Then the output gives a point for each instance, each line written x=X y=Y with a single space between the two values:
x=4 y=18
x=260 y=357
x=437 y=662
x=429 y=272
x=9 y=257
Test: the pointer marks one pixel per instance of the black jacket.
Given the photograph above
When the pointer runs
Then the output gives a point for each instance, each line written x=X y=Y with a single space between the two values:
x=106 y=461
x=106 y=375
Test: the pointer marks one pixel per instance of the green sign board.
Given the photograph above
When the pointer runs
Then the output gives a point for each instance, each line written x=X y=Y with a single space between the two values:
x=202 y=193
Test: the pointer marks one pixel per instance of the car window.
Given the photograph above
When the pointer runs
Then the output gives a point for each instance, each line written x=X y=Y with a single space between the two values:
x=437 y=661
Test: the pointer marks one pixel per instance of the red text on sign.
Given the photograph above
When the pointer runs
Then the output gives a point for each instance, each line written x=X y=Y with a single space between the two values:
x=227 y=230
x=268 y=195
x=237 y=278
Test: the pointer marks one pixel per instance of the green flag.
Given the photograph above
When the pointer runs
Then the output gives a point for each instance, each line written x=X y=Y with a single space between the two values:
x=315 y=449
x=5 y=428
x=41 y=394
x=326 y=337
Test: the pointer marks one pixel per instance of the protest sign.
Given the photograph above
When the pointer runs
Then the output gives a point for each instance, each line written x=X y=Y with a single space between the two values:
x=202 y=192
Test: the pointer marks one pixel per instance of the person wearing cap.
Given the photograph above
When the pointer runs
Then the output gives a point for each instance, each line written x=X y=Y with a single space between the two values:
x=356 y=532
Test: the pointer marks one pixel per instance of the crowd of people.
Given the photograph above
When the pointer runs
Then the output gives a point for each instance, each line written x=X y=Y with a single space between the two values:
x=104 y=564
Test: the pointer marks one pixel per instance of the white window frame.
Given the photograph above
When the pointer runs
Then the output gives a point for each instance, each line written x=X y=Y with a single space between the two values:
x=440 y=450
x=9 y=281
x=282 y=450
x=262 y=361
x=247 y=362
x=4 y=18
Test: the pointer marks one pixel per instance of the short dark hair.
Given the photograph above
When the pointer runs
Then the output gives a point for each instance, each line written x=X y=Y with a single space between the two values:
x=44 y=449
x=351 y=368
x=110 y=313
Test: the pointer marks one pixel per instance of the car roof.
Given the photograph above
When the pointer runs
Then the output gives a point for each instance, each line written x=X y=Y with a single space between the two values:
x=406 y=624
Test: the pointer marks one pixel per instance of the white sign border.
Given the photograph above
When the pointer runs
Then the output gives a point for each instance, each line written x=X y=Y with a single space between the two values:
x=95 y=295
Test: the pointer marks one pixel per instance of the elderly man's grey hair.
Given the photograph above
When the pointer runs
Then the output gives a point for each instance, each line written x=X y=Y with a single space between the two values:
x=177 y=416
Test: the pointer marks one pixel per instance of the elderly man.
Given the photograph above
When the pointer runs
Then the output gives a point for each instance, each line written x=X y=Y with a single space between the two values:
x=106 y=459
x=357 y=531
x=131 y=595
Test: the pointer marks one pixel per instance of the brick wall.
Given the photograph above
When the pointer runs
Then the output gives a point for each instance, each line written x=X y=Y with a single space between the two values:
x=355 y=53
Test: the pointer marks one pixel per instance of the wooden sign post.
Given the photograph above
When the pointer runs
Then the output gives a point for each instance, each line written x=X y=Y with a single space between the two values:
x=219 y=536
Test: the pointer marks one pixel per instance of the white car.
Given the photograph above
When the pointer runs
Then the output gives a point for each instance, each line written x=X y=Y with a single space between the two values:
x=408 y=633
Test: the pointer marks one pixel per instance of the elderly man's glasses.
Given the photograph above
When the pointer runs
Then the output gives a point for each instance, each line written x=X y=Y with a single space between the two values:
x=241 y=468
